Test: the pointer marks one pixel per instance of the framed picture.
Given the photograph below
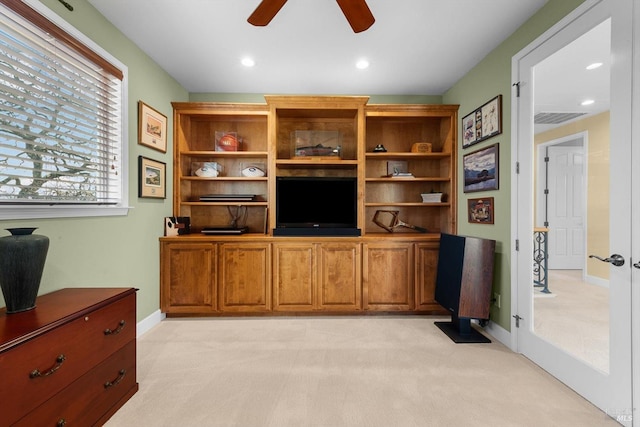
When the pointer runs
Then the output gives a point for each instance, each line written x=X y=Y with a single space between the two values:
x=481 y=169
x=151 y=178
x=481 y=210
x=482 y=123
x=152 y=128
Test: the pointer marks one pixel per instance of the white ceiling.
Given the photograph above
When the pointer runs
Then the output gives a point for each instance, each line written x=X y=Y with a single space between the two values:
x=415 y=47
x=562 y=82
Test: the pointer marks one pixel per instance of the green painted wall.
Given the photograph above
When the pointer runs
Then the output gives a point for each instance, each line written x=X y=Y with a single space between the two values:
x=259 y=98
x=114 y=251
x=491 y=77
x=123 y=251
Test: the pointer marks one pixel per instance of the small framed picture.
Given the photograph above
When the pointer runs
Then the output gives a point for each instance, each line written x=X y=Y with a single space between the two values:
x=481 y=210
x=482 y=123
x=151 y=178
x=152 y=128
x=480 y=169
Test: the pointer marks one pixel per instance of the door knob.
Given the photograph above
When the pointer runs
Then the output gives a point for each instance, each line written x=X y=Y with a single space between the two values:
x=615 y=259
x=637 y=265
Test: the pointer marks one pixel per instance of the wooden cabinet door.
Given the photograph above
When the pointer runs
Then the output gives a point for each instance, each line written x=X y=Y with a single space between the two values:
x=293 y=278
x=188 y=277
x=388 y=283
x=245 y=270
x=426 y=269
x=339 y=276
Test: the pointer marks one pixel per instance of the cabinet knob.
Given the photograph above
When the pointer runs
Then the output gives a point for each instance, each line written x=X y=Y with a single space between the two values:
x=61 y=422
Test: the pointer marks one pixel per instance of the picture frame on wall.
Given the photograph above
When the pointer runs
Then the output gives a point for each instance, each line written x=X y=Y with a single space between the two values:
x=480 y=211
x=482 y=123
x=481 y=169
x=152 y=128
x=151 y=178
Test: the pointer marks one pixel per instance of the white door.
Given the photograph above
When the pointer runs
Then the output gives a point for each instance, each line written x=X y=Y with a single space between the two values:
x=565 y=206
x=606 y=382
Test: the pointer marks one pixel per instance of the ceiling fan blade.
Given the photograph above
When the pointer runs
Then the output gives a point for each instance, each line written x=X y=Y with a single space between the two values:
x=357 y=13
x=265 y=12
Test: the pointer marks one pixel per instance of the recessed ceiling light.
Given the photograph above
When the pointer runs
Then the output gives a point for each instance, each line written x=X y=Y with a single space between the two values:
x=248 y=62
x=587 y=102
x=594 y=65
x=362 y=64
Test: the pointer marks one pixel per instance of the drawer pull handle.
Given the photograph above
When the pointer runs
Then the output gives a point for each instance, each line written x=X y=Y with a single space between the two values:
x=61 y=422
x=115 y=382
x=116 y=330
x=36 y=372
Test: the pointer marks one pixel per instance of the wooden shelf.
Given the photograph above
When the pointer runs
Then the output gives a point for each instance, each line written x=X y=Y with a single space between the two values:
x=407 y=204
x=223 y=154
x=211 y=204
x=405 y=180
x=402 y=155
x=225 y=178
x=313 y=163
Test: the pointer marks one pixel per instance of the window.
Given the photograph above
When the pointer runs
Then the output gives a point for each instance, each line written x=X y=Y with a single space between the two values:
x=62 y=138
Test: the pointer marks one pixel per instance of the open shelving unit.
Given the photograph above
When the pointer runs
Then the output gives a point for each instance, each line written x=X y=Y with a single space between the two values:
x=398 y=128
x=259 y=272
x=194 y=142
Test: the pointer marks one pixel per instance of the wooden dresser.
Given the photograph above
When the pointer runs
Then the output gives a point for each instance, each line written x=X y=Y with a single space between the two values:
x=71 y=360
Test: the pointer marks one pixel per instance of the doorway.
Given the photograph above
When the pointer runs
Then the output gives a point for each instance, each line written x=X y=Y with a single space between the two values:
x=607 y=215
x=560 y=199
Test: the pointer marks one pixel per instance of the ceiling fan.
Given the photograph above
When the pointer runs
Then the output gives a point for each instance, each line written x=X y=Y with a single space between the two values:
x=356 y=11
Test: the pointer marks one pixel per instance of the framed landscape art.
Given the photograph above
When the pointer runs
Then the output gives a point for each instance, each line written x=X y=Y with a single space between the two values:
x=151 y=178
x=152 y=128
x=481 y=169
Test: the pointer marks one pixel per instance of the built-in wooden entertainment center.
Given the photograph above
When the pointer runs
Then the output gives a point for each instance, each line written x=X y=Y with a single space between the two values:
x=257 y=272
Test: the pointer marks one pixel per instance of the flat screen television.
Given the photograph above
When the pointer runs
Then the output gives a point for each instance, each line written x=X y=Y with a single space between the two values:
x=316 y=206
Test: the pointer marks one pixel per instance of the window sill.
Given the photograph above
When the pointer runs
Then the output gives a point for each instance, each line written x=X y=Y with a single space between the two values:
x=32 y=212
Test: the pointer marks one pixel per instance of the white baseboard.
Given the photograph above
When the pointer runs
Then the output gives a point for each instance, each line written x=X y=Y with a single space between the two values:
x=593 y=280
x=499 y=333
x=149 y=322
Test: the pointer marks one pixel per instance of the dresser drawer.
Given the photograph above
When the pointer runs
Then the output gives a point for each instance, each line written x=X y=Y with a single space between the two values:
x=91 y=396
x=46 y=364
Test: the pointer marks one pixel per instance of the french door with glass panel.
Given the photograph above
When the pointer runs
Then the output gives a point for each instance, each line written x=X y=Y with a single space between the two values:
x=580 y=329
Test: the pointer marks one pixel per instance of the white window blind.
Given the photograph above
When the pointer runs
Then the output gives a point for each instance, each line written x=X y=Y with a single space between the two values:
x=61 y=136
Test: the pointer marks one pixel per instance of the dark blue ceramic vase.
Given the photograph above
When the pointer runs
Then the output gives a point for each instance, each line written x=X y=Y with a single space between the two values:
x=22 y=257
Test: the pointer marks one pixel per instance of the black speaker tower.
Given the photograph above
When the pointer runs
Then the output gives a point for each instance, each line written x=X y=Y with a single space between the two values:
x=463 y=284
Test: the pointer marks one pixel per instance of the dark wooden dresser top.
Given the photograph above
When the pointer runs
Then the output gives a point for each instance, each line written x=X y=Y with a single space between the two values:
x=52 y=310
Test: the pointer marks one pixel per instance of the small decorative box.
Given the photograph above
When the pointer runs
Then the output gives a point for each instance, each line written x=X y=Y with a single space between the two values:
x=421 y=147
x=431 y=197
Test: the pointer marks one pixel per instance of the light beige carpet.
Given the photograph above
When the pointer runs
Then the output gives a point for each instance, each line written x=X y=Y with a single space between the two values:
x=575 y=318
x=339 y=371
